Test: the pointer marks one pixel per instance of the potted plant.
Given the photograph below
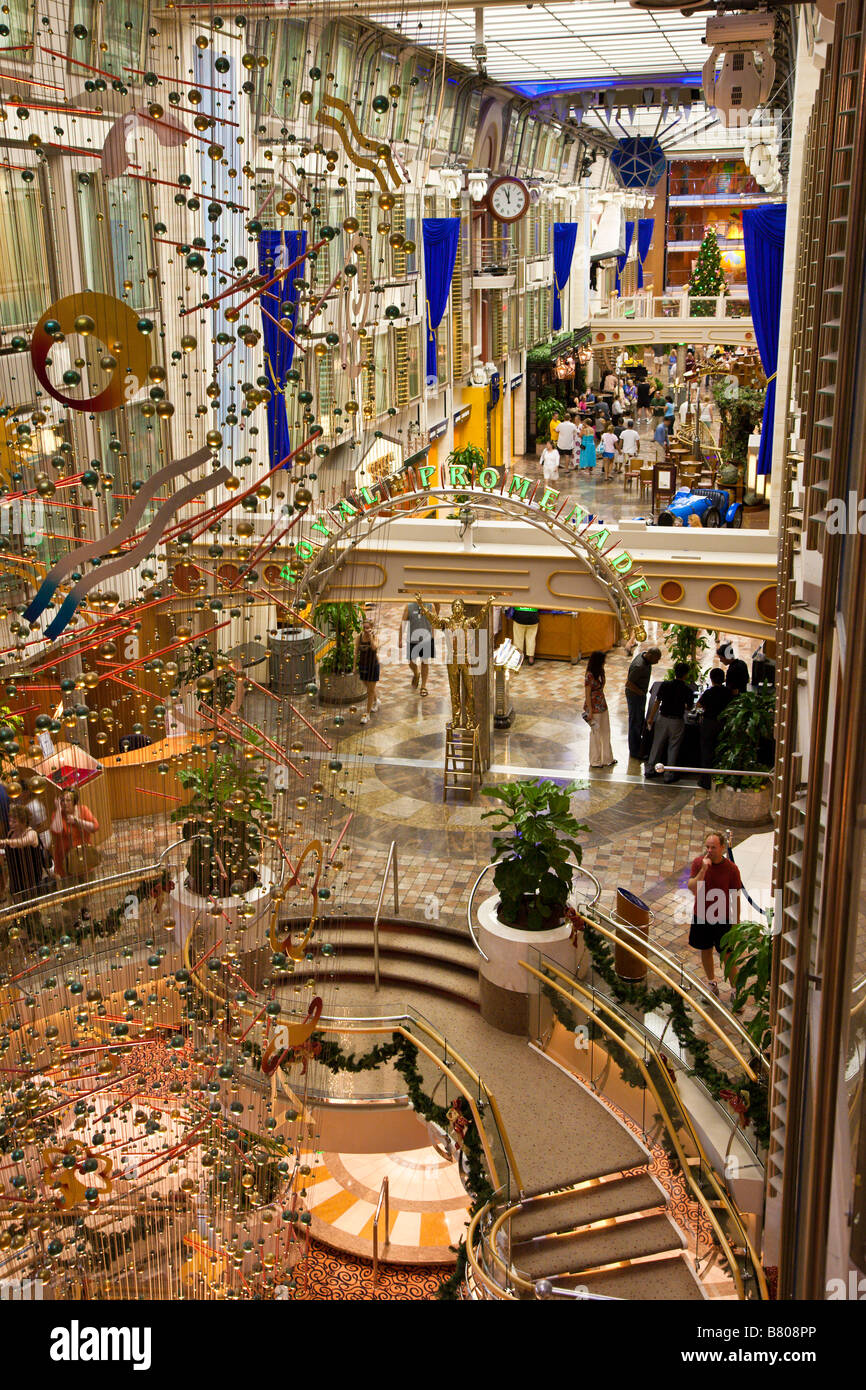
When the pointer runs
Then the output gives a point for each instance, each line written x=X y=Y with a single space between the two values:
x=545 y=409
x=226 y=823
x=686 y=644
x=200 y=676
x=747 y=960
x=535 y=832
x=339 y=683
x=746 y=733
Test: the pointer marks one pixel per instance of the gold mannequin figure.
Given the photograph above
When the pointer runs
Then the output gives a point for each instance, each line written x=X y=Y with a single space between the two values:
x=459 y=674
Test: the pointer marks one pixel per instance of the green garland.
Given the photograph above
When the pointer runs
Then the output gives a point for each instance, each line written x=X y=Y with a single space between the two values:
x=753 y=1093
x=403 y=1053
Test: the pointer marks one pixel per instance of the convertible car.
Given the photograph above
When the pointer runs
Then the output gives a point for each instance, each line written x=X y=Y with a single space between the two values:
x=711 y=505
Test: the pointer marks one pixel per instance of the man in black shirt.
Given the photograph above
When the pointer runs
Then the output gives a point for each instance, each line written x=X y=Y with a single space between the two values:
x=736 y=671
x=636 y=687
x=666 y=718
x=715 y=698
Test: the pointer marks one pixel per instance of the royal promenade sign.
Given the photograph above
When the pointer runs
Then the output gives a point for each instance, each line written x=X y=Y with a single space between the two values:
x=516 y=498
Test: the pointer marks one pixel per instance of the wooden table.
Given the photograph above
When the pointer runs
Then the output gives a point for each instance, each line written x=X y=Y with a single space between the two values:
x=135 y=785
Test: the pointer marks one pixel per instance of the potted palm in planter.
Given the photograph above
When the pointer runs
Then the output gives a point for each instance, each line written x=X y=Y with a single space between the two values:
x=226 y=823
x=535 y=834
x=744 y=742
x=339 y=683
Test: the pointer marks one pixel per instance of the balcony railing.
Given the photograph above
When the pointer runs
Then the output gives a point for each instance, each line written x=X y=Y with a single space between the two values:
x=672 y=306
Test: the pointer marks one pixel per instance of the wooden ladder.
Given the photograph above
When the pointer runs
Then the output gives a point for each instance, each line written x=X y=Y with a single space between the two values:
x=462 y=760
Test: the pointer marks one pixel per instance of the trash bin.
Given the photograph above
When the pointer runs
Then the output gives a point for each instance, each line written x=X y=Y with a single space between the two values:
x=293 y=663
x=636 y=916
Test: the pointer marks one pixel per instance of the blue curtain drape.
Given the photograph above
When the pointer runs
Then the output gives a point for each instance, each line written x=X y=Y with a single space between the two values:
x=764 y=237
x=621 y=260
x=276 y=251
x=644 y=237
x=564 y=238
x=440 y=252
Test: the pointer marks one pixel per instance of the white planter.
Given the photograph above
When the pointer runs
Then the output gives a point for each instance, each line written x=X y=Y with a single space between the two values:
x=188 y=908
x=504 y=985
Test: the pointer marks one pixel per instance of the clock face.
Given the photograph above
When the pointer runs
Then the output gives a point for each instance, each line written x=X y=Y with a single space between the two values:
x=508 y=199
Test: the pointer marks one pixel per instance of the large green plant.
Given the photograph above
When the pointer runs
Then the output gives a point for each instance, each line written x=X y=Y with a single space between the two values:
x=745 y=727
x=686 y=644
x=196 y=661
x=545 y=409
x=741 y=410
x=343 y=620
x=747 y=960
x=225 y=821
x=533 y=836
x=469 y=457
x=11 y=731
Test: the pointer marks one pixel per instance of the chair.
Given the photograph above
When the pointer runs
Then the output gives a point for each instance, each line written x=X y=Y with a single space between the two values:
x=632 y=472
x=646 y=479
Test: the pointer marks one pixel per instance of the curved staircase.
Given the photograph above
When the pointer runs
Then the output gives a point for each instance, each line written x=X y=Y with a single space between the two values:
x=610 y=1235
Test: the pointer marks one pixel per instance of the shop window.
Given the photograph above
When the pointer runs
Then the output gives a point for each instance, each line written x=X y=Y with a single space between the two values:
x=124 y=25
x=285 y=44
x=472 y=110
x=16 y=22
x=24 y=285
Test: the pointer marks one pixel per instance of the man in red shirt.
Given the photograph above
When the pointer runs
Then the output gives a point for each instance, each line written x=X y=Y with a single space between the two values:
x=715 y=881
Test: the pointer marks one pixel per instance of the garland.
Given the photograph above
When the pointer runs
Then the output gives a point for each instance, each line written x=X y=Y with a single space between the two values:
x=749 y=1099
x=403 y=1053
x=113 y=920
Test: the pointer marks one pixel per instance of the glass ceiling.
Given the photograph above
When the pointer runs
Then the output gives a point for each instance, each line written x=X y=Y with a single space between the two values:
x=591 y=41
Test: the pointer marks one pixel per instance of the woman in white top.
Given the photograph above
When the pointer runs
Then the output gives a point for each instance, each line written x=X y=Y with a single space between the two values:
x=550 y=463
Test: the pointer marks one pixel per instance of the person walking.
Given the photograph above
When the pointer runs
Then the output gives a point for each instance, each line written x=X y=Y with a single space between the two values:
x=660 y=439
x=618 y=456
x=596 y=713
x=667 y=720
x=550 y=462
x=715 y=882
x=670 y=413
x=736 y=671
x=588 y=457
x=565 y=437
x=637 y=684
x=608 y=449
x=630 y=440
x=72 y=825
x=711 y=703
x=368 y=667
x=524 y=631
x=420 y=644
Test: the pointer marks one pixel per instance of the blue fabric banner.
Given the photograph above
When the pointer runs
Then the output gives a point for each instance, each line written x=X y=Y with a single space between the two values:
x=440 y=252
x=621 y=260
x=644 y=237
x=764 y=237
x=564 y=238
x=277 y=250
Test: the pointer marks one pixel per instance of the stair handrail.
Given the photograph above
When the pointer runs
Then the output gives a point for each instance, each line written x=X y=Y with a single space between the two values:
x=487 y=867
x=644 y=1042
x=621 y=936
x=390 y=864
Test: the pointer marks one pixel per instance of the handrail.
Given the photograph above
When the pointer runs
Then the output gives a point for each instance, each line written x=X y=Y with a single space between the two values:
x=702 y=989
x=722 y=1194
x=383 y=1196
x=486 y=869
x=391 y=862
x=720 y=771
x=92 y=885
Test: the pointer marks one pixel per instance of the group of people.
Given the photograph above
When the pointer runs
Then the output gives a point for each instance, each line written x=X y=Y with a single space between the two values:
x=656 y=734
x=37 y=847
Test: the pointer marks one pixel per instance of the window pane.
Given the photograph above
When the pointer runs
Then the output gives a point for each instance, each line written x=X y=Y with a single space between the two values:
x=17 y=25
x=24 y=290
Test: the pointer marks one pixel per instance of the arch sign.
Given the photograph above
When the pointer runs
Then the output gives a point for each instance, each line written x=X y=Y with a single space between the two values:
x=336 y=530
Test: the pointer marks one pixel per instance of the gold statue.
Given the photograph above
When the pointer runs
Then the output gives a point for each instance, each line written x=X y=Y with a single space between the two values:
x=459 y=673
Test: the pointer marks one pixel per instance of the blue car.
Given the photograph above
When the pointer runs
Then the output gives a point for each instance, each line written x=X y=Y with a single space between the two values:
x=712 y=505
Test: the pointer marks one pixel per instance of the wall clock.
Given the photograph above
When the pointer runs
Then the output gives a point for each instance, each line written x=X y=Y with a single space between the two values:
x=508 y=199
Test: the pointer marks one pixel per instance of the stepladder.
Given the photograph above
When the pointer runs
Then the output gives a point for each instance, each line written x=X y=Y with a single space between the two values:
x=462 y=760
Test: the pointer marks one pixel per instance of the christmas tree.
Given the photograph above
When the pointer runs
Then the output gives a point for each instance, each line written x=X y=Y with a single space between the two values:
x=708 y=279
